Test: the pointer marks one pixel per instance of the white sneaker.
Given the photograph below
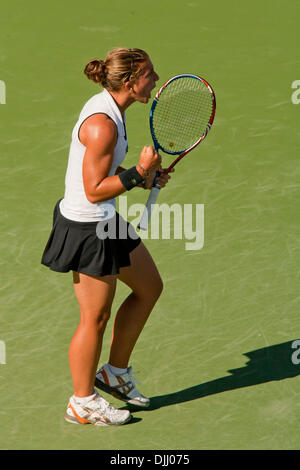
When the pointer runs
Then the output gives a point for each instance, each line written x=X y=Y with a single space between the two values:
x=96 y=411
x=120 y=386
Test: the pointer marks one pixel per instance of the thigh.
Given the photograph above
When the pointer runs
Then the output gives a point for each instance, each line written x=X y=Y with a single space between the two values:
x=142 y=275
x=94 y=294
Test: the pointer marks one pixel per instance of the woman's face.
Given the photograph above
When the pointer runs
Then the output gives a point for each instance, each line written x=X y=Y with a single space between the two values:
x=145 y=83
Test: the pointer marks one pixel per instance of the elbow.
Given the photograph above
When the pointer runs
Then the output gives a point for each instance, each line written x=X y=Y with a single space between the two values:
x=90 y=198
x=93 y=193
x=89 y=195
x=93 y=197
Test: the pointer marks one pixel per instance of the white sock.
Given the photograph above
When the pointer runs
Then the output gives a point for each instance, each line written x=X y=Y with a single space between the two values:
x=117 y=370
x=84 y=400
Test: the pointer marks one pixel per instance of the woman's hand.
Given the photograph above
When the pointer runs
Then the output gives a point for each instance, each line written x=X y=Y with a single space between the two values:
x=162 y=179
x=149 y=161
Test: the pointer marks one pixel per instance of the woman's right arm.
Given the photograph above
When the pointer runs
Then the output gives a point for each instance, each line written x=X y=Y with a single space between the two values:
x=99 y=135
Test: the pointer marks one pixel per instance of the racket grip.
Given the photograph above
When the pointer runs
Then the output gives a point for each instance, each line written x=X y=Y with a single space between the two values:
x=143 y=225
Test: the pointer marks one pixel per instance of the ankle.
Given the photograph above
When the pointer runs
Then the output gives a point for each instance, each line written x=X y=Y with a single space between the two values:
x=117 y=370
x=82 y=400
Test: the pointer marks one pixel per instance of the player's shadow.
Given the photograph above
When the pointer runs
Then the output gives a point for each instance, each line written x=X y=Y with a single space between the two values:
x=264 y=365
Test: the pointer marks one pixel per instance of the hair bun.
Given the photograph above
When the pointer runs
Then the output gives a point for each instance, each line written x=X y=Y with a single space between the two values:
x=95 y=70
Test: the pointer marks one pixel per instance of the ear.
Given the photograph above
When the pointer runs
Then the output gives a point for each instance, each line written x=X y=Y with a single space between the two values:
x=128 y=86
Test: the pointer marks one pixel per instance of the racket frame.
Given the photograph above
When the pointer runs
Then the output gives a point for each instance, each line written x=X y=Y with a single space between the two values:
x=143 y=225
x=157 y=145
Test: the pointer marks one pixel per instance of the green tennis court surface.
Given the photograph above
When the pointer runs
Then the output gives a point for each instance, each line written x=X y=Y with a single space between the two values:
x=216 y=354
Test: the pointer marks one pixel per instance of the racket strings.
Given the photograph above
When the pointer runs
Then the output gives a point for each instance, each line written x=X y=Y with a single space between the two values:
x=182 y=114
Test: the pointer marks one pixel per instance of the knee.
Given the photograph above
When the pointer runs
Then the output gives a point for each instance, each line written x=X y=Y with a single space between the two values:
x=154 y=289
x=95 y=319
x=159 y=287
x=102 y=319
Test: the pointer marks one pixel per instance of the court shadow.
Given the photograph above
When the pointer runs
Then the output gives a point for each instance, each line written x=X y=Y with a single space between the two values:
x=264 y=365
x=133 y=420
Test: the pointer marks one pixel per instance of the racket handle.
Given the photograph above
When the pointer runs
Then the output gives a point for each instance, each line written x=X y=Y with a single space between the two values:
x=143 y=225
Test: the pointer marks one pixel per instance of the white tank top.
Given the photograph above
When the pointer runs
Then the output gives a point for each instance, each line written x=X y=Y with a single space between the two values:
x=75 y=205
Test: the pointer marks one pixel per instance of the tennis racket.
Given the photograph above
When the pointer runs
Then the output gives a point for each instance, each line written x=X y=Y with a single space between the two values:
x=181 y=116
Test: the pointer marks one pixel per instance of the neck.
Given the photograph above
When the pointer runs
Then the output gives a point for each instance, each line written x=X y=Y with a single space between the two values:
x=122 y=100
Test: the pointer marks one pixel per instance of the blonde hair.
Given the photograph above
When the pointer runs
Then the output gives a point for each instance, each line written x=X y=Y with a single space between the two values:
x=121 y=65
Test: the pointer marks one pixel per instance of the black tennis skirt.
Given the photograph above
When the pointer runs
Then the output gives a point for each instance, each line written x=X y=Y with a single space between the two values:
x=94 y=248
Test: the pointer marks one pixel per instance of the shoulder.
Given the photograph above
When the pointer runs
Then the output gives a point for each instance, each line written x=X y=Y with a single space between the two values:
x=97 y=126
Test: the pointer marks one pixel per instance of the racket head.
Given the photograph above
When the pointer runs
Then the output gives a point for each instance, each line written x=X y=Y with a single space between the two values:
x=182 y=114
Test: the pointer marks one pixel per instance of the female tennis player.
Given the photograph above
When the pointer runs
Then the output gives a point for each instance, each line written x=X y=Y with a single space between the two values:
x=88 y=239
